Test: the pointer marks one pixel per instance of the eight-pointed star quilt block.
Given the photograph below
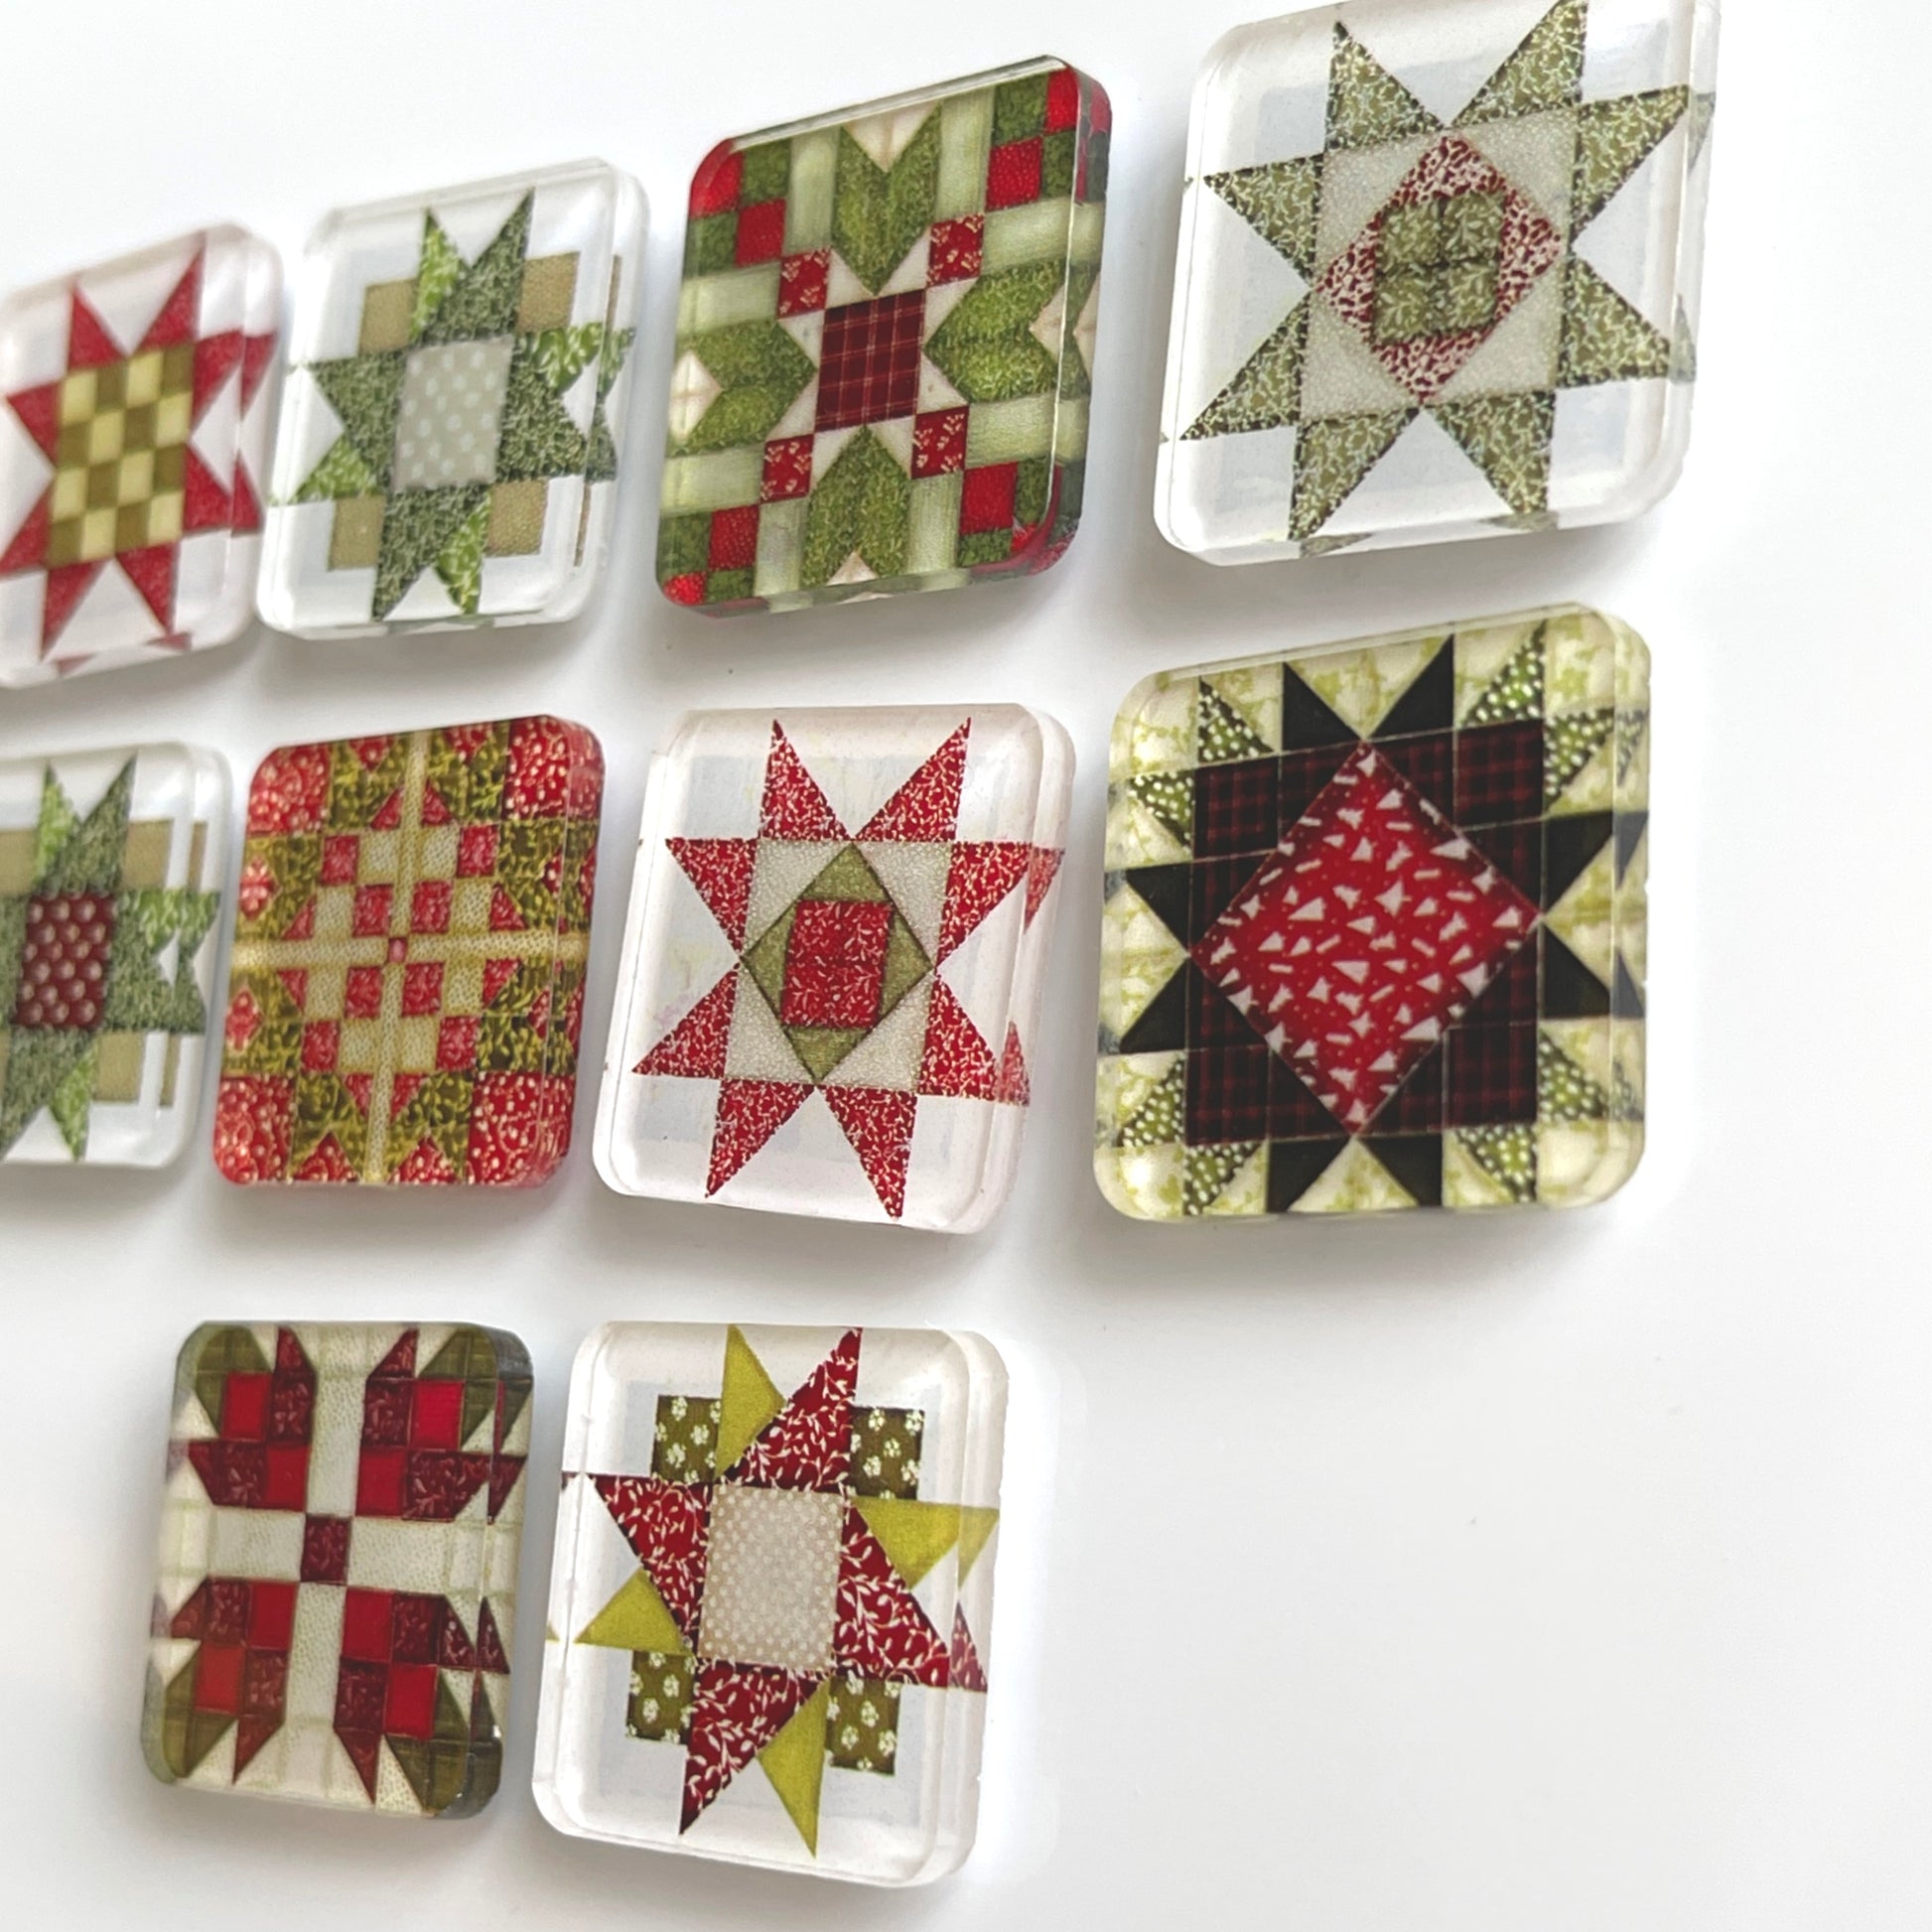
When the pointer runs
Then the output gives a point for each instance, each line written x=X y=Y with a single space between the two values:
x=406 y=988
x=336 y=1596
x=134 y=424
x=771 y=1597
x=455 y=410
x=1439 y=273
x=113 y=868
x=1375 y=925
x=834 y=962
x=884 y=346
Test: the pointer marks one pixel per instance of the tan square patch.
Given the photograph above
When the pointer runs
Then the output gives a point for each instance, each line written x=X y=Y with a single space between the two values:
x=359 y=1044
x=416 y=1044
x=356 y=540
x=388 y=313
x=463 y=986
x=516 y=513
x=549 y=289
x=16 y=861
x=436 y=852
x=470 y=905
x=119 y=1061
x=328 y=991
x=377 y=858
x=335 y=912
x=771 y=1577
x=144 y=858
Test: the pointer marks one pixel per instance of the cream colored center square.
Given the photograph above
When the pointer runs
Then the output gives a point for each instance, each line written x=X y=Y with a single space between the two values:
x=770 y=1589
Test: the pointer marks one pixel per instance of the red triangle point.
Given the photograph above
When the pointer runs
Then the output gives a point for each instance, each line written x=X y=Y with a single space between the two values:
x=749 y=1112
x=152 y=573
x=721 y=870
x=208 y=506
x=878 y=1121
x=65 y=586
x=958 y=1064
x=694 y=1050
x=176 y=322
x=27 y=550
x=39 y=410
x=90 y=343
x=794 y=806
x=926 y=808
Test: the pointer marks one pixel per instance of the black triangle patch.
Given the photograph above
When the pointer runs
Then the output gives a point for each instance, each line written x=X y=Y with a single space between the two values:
x=1630 y=828
x=1571 y=991
x=1429 y=704
x=1294 y=1167
x=1569 y=845
x=1417 y=1165
x=1307 y=720
x=1626 y=1003
x=1163 y=1028
x=1167 y=892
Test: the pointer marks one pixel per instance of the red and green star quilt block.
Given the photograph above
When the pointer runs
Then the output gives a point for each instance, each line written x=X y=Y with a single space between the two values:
x=1438 y=274
x=134 y=425
x=406 y=987
x=834 y=962
x=112 y=870
x=336 y=1596
x=884 y=346
x=770 y=1605
x=1375 y=926
x=455 y=407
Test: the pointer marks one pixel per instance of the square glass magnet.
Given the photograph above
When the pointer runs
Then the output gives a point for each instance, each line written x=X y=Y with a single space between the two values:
x=886 y=346
x=1439 y=273
x=134 y=435
x=455 y=411
x=406 y=988
x=773 y=1593
x=834 y=962
x=112 y=870
x=336 y=1596
x=1375 y=926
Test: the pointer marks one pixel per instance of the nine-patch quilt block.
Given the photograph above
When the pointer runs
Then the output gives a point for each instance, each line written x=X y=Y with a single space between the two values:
x=406 y=992
x=1375 y=926
x=112 y=867
x=834 y=962
x=134 y=423
x=771 y=1597
x=336 y=1596
x=1439 y=273
x=886 y=346
x=455 y=415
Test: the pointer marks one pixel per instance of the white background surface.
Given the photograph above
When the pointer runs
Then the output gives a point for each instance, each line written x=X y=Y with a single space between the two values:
x=1517 y=1576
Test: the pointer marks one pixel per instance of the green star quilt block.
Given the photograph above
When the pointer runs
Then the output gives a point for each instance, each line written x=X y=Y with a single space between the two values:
x=112 y=868
x=775 y=1651
x=1439 y=273
x=884 y=346
x=454 y=417
x=1376 y=925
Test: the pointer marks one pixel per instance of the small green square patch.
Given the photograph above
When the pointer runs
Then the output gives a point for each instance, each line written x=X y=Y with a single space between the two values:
x=662 y=1686
x=686 y=1445
x=766 y=173
x=885 y=1451
x=1472 y=227
x=711 y=244
x=1034 y=490
x=1466 y=297
x=1019 y=109
x=727 y=586
x=683 y=546
x=862 y=1724
x=1412 y=237
x=1056 y=163
x=984 y=547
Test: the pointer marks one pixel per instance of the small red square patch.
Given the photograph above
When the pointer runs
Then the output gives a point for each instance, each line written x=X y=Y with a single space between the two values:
x=321 y=1041
x=218 y=1677
x=788 y=468
x=362 y=993
x=245 y=1408
x=340 y=857
x=370 y=917
x=436 y=1415
x=271 y=1615
x=761 y=233
x=378 y=1483
x=429 y=906
x=1063 y=100
x=955 y=252
x=422 y=990
x=987 y=499
x=288 y=1477
x=455 y=1044
x=1014 y=173
x=939 y=443
x=803 y=281
x=366 y=1625
x=735 y=538
x=476 y=851
x=409 y=1709
x=714 y=188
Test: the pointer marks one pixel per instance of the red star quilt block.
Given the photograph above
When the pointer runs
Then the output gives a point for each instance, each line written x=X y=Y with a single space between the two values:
x=834 y=962
x=336 y=1596
x=134 y=425
x=1375 y=926
x=771 y=1600
x=406 y=986
x=885 y=350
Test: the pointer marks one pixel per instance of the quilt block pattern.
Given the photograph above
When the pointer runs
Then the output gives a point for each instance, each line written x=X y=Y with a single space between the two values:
x=770 y=1601
x=833 y=966
x=886 y=346
x=1439 y=273
x=405 y=997
x=112 y=865
x=1375 y=926
x=453 y=425
x=133 y=437
x=337 y=1589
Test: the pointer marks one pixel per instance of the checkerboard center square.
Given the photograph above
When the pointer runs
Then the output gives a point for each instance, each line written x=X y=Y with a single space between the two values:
x=451 y=414
x=69 y=940
x=1436 y=266
x=869 y=368
x=1370 y=930
x=835 y=963
x=120 y=461
x=770 y=1593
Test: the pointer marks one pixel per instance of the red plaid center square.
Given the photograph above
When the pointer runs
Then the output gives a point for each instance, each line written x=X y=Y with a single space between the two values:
x=869 y=368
